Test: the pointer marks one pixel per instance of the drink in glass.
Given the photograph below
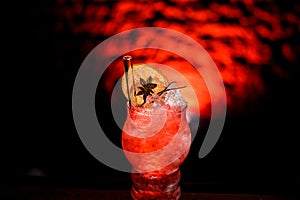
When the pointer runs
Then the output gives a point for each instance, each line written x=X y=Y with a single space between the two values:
x=156 y=139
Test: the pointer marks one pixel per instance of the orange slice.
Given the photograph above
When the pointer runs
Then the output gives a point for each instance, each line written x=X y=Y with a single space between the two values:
x=143 y=71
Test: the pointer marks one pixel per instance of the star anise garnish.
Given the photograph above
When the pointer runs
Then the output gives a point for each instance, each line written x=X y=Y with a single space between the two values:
x=146 y=89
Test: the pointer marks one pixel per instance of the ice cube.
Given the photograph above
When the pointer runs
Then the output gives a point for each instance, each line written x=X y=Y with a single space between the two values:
x=174 y=98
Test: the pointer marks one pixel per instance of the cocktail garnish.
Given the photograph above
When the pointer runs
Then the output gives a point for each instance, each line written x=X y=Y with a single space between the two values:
x=146 y=88
x=131 y=81
x=169 y=87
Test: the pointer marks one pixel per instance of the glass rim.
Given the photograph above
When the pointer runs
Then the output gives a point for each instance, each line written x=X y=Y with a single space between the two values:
x=166 y=107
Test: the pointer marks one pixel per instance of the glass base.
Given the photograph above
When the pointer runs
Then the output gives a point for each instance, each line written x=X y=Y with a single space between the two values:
x=158 y=186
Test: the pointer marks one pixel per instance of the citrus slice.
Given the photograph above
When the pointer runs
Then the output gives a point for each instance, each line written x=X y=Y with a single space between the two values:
x=142 y=71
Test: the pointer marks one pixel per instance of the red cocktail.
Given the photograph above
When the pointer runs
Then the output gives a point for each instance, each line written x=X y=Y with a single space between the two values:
x=156 y=137
x=156 y=141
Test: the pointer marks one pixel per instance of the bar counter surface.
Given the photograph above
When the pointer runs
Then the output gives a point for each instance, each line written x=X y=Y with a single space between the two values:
x=41 y=188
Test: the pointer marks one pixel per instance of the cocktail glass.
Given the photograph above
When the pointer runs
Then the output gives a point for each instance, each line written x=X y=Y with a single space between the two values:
x=156 y=141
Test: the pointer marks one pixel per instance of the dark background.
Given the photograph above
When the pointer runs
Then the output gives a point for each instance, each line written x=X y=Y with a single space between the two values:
x=258 y=150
